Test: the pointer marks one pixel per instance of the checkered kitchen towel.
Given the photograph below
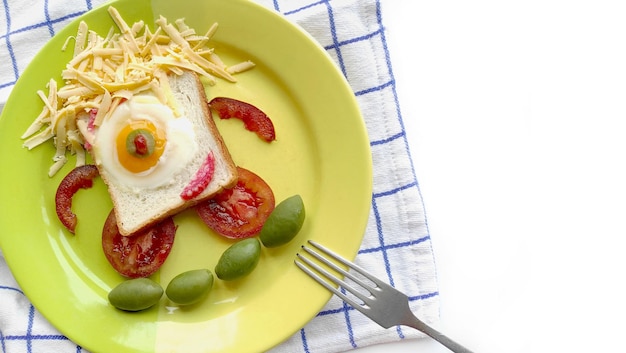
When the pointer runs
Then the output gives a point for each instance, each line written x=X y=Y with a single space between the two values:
x=397 y=245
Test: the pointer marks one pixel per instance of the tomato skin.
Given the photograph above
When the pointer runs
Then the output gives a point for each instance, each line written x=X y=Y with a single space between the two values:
x=79 y=178
x=140 y=254
x=253 y=118
x=241 y=211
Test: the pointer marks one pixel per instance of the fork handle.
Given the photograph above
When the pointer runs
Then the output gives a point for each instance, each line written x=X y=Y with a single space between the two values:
x=413 y=321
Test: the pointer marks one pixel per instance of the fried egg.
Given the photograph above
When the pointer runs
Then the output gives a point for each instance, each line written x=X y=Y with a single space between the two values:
x=143 y=144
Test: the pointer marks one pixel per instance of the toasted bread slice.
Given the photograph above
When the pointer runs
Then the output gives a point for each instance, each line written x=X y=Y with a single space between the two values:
x=138 y=208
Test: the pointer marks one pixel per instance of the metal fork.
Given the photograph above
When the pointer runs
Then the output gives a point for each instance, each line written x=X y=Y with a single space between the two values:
x=385 y=305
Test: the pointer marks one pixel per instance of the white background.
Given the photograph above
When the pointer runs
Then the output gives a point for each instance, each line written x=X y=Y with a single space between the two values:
x=515 y=112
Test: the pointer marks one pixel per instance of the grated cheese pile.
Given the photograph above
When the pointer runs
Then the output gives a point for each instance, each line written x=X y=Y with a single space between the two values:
x=104 y=71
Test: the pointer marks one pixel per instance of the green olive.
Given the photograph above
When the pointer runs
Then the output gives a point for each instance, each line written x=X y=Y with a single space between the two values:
x=140 y=143
x=239 y=259
x=190 y=287
x=284 y=222
x=135 y=294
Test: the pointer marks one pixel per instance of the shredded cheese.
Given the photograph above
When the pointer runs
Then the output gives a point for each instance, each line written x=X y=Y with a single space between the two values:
x=241 y=67
x=105 y=71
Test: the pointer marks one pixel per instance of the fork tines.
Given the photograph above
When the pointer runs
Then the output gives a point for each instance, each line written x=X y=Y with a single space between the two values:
x=325 y=277
x=384 y=304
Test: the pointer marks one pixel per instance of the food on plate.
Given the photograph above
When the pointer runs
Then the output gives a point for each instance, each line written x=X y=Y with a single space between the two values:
x=239 y=259
x=178 y=162
x=190 y=286
x=79 y=178
x=253 y=118
x=141 y=254
x=107 y=70
x=201 y=180
x=284 y=222
x=239 y=212
x=135 y=294
x=134 y=102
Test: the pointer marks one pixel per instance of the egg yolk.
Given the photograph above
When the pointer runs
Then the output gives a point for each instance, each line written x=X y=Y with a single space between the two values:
x=146 y=146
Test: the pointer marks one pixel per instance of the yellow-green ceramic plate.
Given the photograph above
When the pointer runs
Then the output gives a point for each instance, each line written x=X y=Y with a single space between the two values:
x=321 y=153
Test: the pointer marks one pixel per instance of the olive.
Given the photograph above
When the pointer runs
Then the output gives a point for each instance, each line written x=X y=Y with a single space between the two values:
x=239 y=259
x=190 y=287
x=140 y=143
x=135 y=294
x=284 y=222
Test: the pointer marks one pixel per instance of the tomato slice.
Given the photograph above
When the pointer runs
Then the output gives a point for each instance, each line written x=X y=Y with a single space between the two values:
x=79 y=178
x=140 y=254
x=253 y=118
x=241 y=211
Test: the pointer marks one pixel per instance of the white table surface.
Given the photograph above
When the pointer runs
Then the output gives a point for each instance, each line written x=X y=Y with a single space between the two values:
x=515 y=113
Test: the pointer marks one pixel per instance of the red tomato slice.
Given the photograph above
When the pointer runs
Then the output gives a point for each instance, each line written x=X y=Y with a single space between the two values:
x=253 y=118
x=140 y=254
x=79 y=178
x=241 y=211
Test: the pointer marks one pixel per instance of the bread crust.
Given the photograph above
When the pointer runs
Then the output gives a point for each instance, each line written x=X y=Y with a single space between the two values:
x=137 y=211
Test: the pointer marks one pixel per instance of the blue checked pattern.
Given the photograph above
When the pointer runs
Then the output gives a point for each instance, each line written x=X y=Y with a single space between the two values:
x=397 y=244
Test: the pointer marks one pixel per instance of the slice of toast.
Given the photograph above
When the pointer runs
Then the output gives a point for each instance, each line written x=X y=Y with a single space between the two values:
x=137 y=210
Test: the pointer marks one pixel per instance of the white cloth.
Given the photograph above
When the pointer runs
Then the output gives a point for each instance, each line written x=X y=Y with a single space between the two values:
x=397 y=244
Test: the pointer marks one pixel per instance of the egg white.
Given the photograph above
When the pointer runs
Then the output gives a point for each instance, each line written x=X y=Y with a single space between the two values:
x=180 y=144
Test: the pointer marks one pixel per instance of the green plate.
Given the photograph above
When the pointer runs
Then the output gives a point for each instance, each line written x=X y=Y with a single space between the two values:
x=321 y=152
